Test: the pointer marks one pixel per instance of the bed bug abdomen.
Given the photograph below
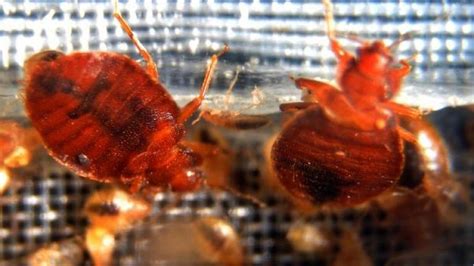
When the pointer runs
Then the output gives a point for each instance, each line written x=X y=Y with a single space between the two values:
x=98 y=111
x=323 y=162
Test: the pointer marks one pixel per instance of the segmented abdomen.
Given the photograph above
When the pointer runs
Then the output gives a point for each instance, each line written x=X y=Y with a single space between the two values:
x=97 y=111
x=323 y=162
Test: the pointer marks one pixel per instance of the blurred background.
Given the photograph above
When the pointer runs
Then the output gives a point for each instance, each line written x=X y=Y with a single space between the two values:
x=269 y=41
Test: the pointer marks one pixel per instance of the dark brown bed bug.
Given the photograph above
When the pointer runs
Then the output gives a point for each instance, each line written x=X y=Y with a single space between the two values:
x=106 y=118
x=345 y=146
x=323 y=162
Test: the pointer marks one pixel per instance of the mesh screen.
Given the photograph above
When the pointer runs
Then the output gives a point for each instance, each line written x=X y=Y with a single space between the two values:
x=269 y=40
x=44 y=204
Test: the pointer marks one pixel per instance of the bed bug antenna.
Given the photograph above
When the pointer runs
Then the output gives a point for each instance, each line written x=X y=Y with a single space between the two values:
x=189 y=109
x=405 y=36
x=150 y=64
x=211 y=68
x=351 y=36
x=329 y=17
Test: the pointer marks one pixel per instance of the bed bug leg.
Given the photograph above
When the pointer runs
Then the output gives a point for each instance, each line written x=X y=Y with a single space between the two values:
x=191 y=107
x=233 y=119
x=205 y=112
x=203 y=149
x=336 y=47
x=407 y=136
x=136 y=184
x=150 y=64
x=395 y=77
x=337 y=106
x=295 y=106
x=402 y=110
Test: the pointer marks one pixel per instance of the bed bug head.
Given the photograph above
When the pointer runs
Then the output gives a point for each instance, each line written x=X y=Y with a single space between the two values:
x=374 y=58
x=40 y=58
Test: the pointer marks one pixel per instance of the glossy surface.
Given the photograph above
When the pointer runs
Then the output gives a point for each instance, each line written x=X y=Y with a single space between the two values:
x=108 y=119
x=438 y=180
x=103 y=116
x=115 y=210
x=323 y=162
x=345 y=144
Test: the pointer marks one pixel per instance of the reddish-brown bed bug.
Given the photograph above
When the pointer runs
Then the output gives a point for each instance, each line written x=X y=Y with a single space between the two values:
x=106 y=118
x=427 y=171
x=346 y=146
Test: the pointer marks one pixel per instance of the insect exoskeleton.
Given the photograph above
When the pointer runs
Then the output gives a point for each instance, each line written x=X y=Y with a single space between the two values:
x=106 y=118
x=344 y=145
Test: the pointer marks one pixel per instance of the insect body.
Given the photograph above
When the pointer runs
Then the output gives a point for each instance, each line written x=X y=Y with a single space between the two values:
x=106 y=118
x=345 y=145
x=321 y=161
x=201 y=241
x=17 y=145
x=110 y=211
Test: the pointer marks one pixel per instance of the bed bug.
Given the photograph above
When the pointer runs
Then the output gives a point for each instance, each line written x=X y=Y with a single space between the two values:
x=202 y=241
x=235 y=119
x=111 y=211
x=345 y=145
x=310 y=238
x=66 y=252
x=106 y=118
x=17 y=145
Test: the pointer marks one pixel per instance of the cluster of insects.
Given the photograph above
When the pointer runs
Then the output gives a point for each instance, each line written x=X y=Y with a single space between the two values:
x=106 y=118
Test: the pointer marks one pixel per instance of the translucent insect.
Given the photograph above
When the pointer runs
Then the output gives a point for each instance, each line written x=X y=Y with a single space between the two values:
x=111 y=211
x=17 y=144
x=236 y=119
x=203 y=241
x=67 y=252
